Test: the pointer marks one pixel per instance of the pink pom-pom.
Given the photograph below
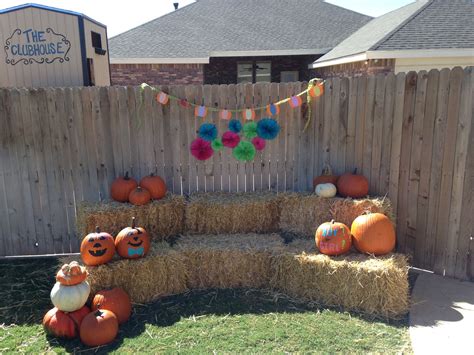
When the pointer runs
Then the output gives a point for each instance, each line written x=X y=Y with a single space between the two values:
x=201 y=149
x=259 y=143
x=230 y=139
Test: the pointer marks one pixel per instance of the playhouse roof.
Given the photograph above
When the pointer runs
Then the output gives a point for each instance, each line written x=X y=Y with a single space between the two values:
x=209 y=28
x=421 y=25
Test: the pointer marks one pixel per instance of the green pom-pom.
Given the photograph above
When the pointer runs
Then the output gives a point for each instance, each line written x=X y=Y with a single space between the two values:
x=250 y=130
x=217 y=144
x=245 y=151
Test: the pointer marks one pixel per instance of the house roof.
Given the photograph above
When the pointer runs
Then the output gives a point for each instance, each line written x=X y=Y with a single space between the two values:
x=421 y=25
x=237 y=28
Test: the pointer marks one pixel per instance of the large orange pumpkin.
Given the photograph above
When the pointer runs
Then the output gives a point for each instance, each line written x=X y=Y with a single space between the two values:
x=326 y=177
x=353 y=185
x=115 y=300
x=64 y=325
x=97 y=248
x=132 y=242
x=139 y=196
x=121 y=188
x=155 y=186
x=373 y=234
x=99 y=327
x=71 y=274
x=333 y=238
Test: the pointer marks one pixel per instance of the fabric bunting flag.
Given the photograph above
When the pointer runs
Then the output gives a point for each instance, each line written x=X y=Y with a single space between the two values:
x=225 y=115
x=162 y=98
x=273 y=110
x=200 y=111
x=248 y=114
x=295 y=101
x=317 y=90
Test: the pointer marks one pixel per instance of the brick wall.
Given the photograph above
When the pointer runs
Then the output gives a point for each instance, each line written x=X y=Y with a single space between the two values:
x=156 y=74
x=370 y=67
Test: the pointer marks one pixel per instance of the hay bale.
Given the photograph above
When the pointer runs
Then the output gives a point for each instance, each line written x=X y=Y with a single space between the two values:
x=376 y=286
x=161 y=273
x=162 y=218
x=225 y=213
x=229 y=261
x=302 y=214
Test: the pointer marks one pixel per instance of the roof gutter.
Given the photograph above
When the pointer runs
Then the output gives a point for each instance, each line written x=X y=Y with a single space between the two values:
x=159 y=60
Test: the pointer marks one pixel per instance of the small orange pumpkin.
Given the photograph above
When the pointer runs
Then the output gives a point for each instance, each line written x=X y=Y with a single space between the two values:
x=132 y=242
x=333 y=238
x=155 y=186
x=139 y=196
x=326 y=177
x=71 y=274
x=373 y=234
x=115 y=300
x=121 y=188
x=99 y=328
x=97 y=248
x=353 y=185
x=64 y=325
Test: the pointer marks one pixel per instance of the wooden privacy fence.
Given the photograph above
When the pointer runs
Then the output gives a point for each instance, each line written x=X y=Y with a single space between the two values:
x=410 y=134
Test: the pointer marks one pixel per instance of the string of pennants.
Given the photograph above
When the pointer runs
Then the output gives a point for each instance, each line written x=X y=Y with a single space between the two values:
x=244 y=140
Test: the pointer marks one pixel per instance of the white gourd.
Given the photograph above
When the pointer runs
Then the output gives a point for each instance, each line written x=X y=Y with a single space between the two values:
x=326 y=190
x=70 y=298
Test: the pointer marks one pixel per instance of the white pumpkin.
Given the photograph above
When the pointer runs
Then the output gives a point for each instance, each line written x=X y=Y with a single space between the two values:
x=70 y=298
x=326 y=190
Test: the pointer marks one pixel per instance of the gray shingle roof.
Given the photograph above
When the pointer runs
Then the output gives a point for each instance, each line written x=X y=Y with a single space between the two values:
x=424 y=24
x=205 y=26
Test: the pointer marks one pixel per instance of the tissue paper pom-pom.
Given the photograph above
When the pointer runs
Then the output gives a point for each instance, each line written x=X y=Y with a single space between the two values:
x=217 y=144
x=259 y=143
x=245 y=151
x=268 y=128
x=208 y=132
x=250 y=130
x=235 y=126
x=230 y=139
x=201 y=149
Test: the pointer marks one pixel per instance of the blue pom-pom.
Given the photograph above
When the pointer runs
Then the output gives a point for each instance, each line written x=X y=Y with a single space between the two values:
x=268 y=128
x=235 y=126
x=208 y=132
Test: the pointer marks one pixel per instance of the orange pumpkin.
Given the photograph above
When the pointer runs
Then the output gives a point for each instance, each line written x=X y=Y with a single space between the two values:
x=64 y=325
x=139 y=196
x=333 y=238
x=132 y=242
x=121 y=188
x=71 y=274
x=326 y=177
x=116 y=301
x=99 y=328
x=353 y=185
x=97 y=248
x=155 y=186
x=373 y=234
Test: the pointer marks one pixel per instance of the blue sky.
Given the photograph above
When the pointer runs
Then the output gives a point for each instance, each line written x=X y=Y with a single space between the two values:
x=121 y=15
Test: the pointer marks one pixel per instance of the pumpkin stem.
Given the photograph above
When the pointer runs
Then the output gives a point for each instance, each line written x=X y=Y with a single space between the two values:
x=133 y=222
x=327 y=171
x=98 y=313
x=97 y=229
x=332 y=221
x=126 y=177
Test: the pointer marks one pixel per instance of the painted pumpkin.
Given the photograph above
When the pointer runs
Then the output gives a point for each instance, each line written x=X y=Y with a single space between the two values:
x=121 y=188
x=97 y=248
x=325 y=177
x=333 y=238
x=71 y=274
x=116 y=301
x=70 y=298
x=155 y=186
x=64 y=325
x=99 y=328
x=132 y=242
x=326 y=190
x=139 y=196
x=373 y=234
x=353 y=185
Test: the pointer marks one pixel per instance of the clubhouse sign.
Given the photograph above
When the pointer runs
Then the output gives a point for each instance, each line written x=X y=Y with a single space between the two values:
x=28 y=46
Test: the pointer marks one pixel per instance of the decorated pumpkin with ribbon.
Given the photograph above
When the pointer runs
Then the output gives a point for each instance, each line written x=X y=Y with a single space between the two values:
x=333 y=238
x=132 y=242
x=71 y=274
x=97 y=248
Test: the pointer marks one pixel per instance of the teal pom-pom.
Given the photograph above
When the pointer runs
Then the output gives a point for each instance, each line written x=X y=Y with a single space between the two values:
x=268 y=128
x=208 y=132
x=250 y=130
x=245 y=151
x=235 y=126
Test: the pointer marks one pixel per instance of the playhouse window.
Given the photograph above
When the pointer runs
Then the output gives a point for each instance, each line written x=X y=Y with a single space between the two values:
x=96 y=40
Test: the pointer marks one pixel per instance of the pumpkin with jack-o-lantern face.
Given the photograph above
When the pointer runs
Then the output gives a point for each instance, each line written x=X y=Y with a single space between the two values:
x=97 y=248
x=132 y=242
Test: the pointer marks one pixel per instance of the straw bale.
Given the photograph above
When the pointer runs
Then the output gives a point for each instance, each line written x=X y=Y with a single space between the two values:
x=161 y=273
x=161 y=219
x=229 y=261
x=376 y=286
x=224 y=213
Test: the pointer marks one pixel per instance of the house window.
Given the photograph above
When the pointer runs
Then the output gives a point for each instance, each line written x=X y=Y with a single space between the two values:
x=289 y=76
x=254 y=72
x=96 y=40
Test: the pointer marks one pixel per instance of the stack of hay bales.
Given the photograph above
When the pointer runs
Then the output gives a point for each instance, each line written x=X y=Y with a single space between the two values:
x=161 y=219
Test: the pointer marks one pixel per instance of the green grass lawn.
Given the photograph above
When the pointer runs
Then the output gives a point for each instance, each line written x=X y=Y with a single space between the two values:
x=196 y=322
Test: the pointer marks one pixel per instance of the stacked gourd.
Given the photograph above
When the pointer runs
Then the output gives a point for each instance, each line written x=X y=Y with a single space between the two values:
x=348 y=185
x=126 y=189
